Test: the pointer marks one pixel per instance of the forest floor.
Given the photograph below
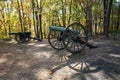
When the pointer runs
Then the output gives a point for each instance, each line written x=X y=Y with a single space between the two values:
x=38 y=61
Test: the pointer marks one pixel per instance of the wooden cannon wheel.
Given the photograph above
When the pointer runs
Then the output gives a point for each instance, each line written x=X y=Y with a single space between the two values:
x=75 y=38
x=55 y=39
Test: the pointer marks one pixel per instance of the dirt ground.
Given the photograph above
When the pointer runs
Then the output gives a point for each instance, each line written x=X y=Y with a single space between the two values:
x=38 y=61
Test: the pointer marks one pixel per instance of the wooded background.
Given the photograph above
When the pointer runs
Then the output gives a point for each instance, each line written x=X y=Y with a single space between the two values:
x=98 y=16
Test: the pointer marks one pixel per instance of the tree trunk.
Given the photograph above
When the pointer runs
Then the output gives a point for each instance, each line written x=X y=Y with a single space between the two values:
x=4 y=23
x=118 y=19
x=9 y=27
x=33 y=6
x=63 y=13
x=40 y=17
x=20 y=17
x=23 y=18
x=95 y=24
x=70 y=11
x=107 y=11
x=89 y=17
x=58 y=19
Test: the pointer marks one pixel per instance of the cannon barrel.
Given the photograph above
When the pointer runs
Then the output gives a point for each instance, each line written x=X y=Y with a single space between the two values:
x=57 y=28
x=62 y=29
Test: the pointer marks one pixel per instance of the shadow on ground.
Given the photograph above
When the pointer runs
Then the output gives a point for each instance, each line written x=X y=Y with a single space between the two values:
x=38 y=61
x=103 y=64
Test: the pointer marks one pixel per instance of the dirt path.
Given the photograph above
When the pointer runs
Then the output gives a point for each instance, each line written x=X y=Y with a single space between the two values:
x=38 y=61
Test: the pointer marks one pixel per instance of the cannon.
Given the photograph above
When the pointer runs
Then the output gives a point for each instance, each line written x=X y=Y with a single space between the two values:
x=73 y=37
x=21 y=36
